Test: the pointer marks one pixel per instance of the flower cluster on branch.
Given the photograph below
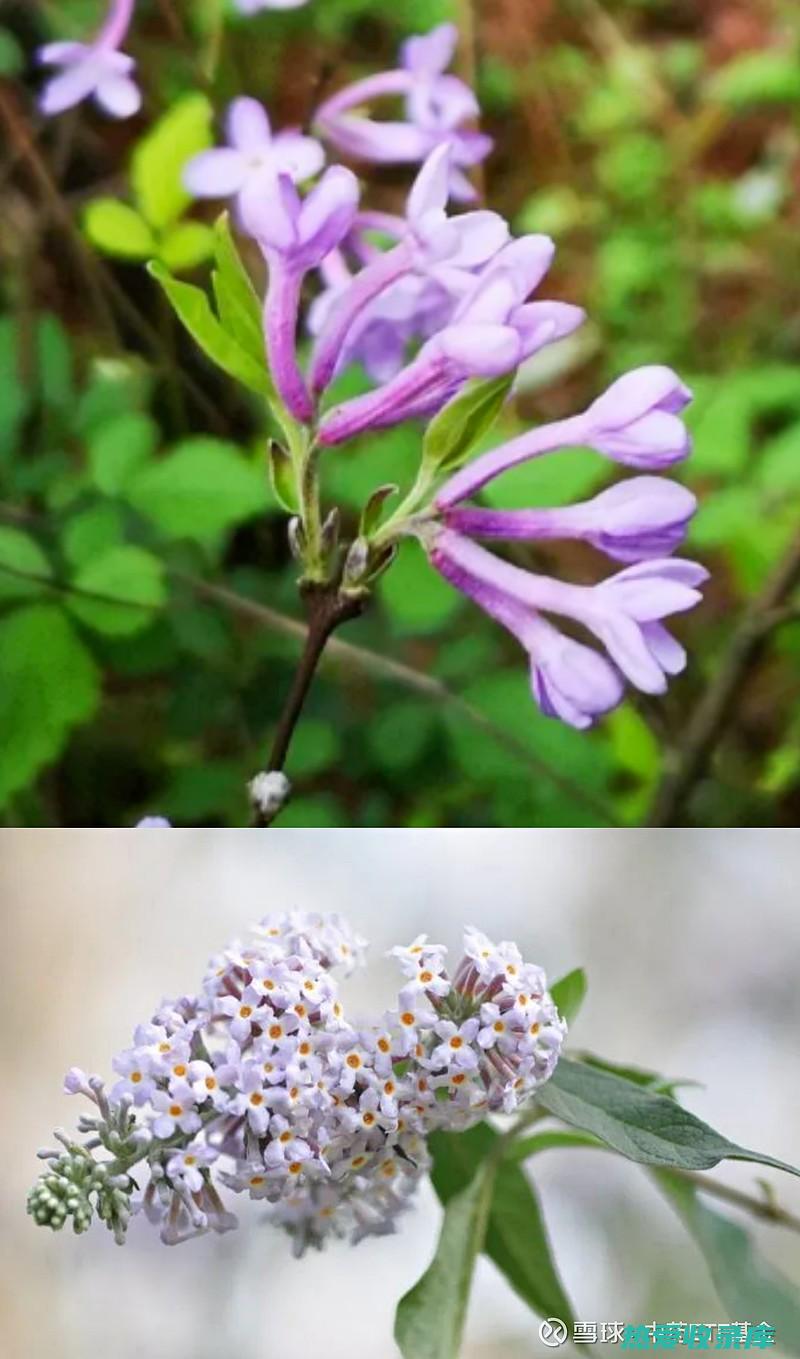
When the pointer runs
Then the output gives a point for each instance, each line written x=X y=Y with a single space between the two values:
x=260 y=1084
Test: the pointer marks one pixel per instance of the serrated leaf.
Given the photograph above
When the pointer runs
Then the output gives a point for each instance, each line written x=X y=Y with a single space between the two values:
x=748 y=1285
x=194 y=310
x=186 y=245
x=159 y=159
x=199 y=490
x=516 y=1236
x=237 y=301
x=128 y=574
x=569 y=993
x=430 y=1317
x=22 y=561
x=462 y=423
x=118 y=230
x=48 y=684
x=639 y=1124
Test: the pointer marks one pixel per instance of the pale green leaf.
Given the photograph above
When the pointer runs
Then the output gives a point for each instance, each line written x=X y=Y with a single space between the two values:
x=186 y=245
x=194 y=310
x=159 y=159
x=462 y=423
x=239 y=308
x=569 y=993
x=119 y=230
x=120 y=446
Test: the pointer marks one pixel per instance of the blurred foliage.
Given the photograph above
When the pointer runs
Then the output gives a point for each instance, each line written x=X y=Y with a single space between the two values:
x=658 y=142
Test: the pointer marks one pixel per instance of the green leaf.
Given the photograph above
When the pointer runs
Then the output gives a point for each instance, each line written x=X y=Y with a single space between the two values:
x=159 y=159
x=569 y=993
x=749 y=1287
x=639 y=1124
x=119 y=230
x=283 y=479
x=48 y=684
x=121 y=446
x=21 y=558
x=516 y=1236
x=199 y=490
x=651 y=1080
x=764 y=77
x=373 y=510
x=462 y=423
x=92 y=532
x=238 y=305
x=128 y=574
x=186 y=245
x=194 y=310
x=430 y=1317
x=525 y=1147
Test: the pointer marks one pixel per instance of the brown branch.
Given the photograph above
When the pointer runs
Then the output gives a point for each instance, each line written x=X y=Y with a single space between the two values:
x=396 y=671
x=707 y=723
x=765 y=1207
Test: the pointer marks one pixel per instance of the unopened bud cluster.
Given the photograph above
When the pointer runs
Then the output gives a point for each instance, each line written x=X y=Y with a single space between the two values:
x=260 y=1085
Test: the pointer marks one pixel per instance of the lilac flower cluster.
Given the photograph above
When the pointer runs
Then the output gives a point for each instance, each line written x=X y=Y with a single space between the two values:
x=434 y=305
x=261 y=1085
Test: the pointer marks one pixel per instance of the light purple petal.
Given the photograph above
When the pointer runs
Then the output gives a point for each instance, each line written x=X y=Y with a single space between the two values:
x=541 y=323
x=215 y=174
x=247 y=125
x=71 y=88
x=297 y=156
x=638 y=392
x=430 y=53
x=480 y=236
x=626 y=646
x=61 y=53
x=481 y=350
x=119 y=96
x=429 y=191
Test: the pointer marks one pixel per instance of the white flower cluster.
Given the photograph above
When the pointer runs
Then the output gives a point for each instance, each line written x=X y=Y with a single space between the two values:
x=260 y=1084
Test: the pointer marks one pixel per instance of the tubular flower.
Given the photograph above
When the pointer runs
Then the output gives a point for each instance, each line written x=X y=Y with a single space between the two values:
x=96 y=70
x=290 y=1103
x=437 y=106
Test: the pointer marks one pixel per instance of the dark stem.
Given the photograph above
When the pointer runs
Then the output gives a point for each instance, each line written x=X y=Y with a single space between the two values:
x=708 y=721
x=326 y=609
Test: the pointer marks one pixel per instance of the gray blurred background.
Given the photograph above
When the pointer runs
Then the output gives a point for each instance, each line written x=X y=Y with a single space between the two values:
x=691 y=940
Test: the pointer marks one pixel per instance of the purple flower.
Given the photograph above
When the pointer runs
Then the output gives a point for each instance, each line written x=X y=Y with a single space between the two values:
x=492 y=331
x=636 y=519
x=252 y=161
x=436 y=107
x=153 y=823
x=98 y=69
x=624 y=613
x=431 y=243
x=295 y=236
x=635 y=422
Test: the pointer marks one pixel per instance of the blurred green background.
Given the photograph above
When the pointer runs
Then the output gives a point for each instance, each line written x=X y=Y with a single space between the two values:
x=658 y=142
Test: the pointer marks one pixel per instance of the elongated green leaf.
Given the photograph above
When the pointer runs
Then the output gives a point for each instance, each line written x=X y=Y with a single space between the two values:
x=640 y=1075
x=454 y=432
x=569 y=993
x=194 y=310
x=516 y=1236
x=748 y=1285
x=430 y=1317
x=636 y=1122
x=526 y=1147
x=237 y=303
